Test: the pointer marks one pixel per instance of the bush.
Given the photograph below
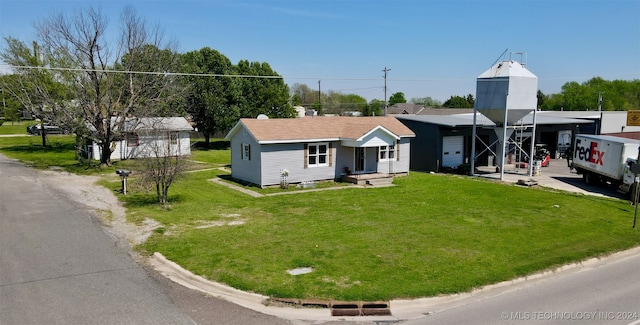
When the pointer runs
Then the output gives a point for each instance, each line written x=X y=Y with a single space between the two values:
x=464 y=169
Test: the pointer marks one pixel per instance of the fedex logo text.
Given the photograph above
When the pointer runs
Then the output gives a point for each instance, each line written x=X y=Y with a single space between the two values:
x=589 y=152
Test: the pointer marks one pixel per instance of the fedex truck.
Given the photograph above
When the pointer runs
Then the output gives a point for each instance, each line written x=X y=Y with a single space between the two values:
x=606 y=159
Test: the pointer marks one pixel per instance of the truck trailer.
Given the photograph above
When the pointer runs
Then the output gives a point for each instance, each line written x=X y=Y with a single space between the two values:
x=606 y=159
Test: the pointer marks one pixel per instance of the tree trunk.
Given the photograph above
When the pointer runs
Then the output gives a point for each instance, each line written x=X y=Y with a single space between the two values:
x=158 y=193
x=79 y=148
x=207 y=139
x=165 y=194
x=105 y=156
x=43 y=134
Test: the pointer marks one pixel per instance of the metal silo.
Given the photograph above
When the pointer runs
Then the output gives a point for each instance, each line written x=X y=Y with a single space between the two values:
x=505 y=94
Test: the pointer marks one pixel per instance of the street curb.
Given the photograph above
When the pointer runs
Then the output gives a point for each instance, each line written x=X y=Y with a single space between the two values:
x=400 y=309
x=420 y=307
x=249 y=300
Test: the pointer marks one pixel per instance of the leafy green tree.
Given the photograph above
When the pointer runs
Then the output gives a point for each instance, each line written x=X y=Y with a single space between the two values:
x=162 y=88
x=397 y=98
x=594 y=94
x=353 y=102
x=295 y=100
x=541 y=98
x=459 y=102
x=210 y=100
x=37 y=89
x=425 y=101
x=471 y=100
x=337 y=103
x=374 y=108
x=11 y=108
x=263 y=91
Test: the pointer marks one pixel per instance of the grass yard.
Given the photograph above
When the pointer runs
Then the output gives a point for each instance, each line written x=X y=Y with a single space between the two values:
x=59 y=153
x=428 y=235
x=15 y=127
x=29 y=149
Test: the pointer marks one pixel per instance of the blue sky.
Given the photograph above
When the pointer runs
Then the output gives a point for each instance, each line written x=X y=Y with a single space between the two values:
x=434 y=48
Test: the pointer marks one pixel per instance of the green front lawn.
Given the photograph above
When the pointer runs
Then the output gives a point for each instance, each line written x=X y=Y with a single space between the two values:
x=428 y=235
x=15 y=127
x=29 y=149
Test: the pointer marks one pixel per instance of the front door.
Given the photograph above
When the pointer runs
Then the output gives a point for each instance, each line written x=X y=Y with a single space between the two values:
x=360 y=159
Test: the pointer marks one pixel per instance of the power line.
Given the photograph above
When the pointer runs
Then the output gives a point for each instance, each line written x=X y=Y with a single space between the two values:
x=167 y=73
x=284 y=77
x=146 y=72
x=366 y=88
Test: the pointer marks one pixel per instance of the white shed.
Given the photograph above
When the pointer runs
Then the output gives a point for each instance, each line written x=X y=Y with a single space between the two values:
x=150 y=136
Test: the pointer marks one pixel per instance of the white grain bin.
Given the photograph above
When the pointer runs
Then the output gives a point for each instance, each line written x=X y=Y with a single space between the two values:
x=505 y=94
x=506 y=86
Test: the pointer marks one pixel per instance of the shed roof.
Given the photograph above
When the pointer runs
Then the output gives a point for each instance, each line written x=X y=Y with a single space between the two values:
x=327 y=128
x=158 y=124
x=481 y=120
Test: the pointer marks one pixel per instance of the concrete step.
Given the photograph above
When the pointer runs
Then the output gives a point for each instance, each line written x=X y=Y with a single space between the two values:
x=380 y=181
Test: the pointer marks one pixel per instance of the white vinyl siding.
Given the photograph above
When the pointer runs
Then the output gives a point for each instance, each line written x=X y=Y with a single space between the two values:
x=249 y=170
x=145 y=144
x=291 y=157
x=400 y=164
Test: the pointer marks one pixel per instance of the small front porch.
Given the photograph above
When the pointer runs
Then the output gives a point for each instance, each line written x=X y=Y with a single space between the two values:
x=369 y=179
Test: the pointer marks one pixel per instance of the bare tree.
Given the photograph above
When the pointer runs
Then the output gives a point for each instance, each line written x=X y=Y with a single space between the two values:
x=305 y=95
x=36 y=88
x=162 y=162
x=107 y=85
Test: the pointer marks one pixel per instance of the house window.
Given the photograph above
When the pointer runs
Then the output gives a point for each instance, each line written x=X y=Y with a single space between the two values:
x=246 y=151
x=133 y=140
x=173 y=138
x=387 y=152
x=318 y=155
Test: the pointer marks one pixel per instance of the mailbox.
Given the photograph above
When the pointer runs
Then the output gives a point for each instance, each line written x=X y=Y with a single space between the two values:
x=124 y=173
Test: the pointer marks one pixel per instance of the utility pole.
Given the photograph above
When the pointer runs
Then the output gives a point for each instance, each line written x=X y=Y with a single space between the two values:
x=385 y=89
x=600 y=101
x=319 y=100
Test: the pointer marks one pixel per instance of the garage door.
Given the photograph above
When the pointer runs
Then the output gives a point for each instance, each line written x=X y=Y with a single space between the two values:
x=452 y=155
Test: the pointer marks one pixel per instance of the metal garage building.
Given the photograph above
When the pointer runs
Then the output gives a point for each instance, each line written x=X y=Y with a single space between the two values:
x=443 y=142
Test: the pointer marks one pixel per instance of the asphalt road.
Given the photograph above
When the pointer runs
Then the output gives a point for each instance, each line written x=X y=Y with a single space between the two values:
x=603 y=293
x=58 y=265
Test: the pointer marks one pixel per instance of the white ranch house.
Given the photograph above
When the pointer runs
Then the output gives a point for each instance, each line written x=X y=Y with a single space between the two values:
x=150 y=137
x=317 y=148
